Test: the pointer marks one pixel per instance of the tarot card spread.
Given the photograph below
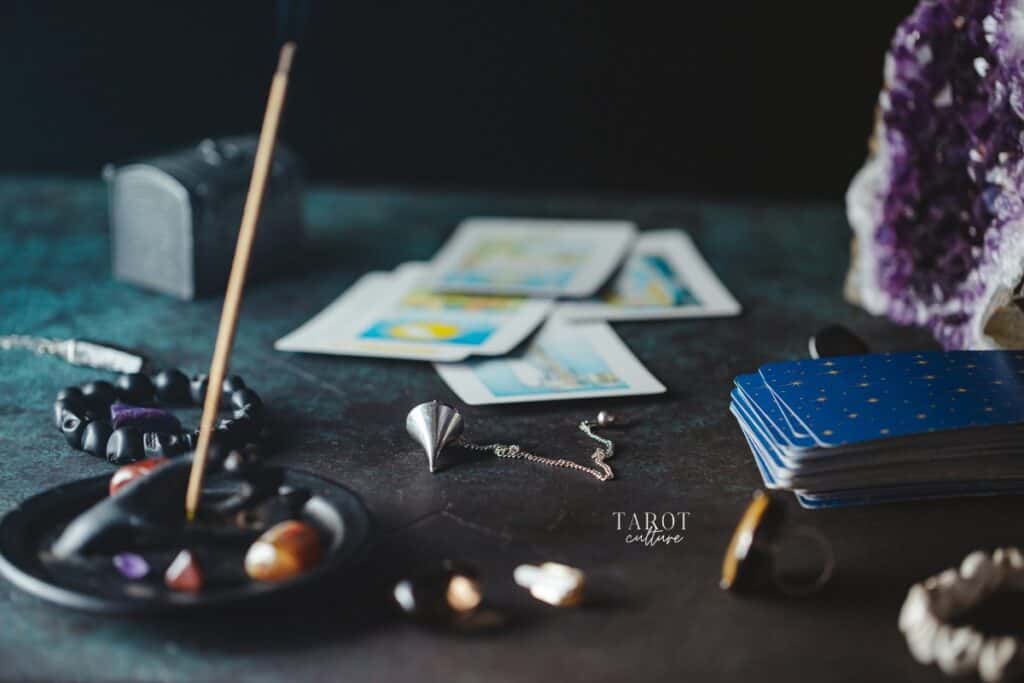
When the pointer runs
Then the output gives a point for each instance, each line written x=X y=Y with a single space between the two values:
x=564 y=361
x=484 y=295
x=663 y=277
x=556 y=258
x=883 y=427
x=392 y=315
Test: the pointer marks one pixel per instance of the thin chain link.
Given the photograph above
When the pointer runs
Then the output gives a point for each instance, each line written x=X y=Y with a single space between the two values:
x=603 y=471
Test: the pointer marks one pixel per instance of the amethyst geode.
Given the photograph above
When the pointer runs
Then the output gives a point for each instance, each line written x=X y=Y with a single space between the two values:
x=937 y=210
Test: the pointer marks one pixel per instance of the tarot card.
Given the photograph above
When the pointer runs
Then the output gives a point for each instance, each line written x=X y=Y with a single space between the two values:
x=564 y=361
x=397 y=317
x=754 y=394
x=664 y=276
x=555 y=258
x=331 y=331
x=484 y=325
x=896 y=494
x=854 y=399
x=316 y=334
x=766 y=476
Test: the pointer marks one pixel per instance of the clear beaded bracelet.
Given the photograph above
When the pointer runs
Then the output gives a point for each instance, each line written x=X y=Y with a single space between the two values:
x=962 y=649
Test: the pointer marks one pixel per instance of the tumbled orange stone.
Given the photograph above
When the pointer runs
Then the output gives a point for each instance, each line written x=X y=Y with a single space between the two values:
x=283 y=552
x=129 y=473
x=184 y=574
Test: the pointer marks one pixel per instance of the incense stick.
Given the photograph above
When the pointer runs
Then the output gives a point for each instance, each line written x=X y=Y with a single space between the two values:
x=236 y=281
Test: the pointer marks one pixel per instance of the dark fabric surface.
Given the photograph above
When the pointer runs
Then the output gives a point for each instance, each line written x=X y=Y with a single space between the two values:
x=655 y=614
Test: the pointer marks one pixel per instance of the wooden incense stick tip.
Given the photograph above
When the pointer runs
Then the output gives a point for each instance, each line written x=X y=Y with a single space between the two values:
x=284 y=62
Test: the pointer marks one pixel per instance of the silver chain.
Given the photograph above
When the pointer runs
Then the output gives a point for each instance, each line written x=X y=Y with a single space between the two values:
x=41 y=345
x=603 y=471
x=80 y=352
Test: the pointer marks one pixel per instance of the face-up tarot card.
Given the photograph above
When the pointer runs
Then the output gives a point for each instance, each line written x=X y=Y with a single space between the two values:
x=551 y=258
x=664 y=276
x=564 y=361
x=394 y=315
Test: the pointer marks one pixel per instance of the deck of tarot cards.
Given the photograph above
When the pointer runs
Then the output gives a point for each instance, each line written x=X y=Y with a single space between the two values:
x=855 y=430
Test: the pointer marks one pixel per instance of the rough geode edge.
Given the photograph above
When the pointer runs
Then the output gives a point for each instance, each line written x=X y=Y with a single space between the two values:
x=990 y=318
x=995 y=323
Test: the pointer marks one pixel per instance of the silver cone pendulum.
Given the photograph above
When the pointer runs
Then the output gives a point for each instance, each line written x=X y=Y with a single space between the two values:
x=433 y=425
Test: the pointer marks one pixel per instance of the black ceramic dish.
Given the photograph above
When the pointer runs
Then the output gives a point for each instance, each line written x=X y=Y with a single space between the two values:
x=27 y=532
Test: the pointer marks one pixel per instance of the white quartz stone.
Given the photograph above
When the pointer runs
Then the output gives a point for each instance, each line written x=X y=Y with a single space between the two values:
x=996 y=655
x=957 y=649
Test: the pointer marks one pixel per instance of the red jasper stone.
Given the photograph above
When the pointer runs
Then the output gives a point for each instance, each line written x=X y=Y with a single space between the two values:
x=129 y=473
x=184 y=574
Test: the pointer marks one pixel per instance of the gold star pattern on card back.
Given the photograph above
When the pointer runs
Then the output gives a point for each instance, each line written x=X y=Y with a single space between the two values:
x=829 y=389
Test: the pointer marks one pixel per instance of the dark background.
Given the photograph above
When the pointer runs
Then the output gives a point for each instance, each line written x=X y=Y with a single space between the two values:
x=724 y=99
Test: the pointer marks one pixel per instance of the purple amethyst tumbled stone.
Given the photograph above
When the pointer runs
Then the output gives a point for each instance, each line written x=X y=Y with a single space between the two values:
x=131 y=565
x=143 y=419
x=938 y=210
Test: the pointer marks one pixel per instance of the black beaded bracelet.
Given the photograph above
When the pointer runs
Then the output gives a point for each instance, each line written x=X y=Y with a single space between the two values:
x=137 y=428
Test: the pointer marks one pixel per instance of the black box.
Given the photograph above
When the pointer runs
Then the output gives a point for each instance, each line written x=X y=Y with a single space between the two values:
x=174 y=219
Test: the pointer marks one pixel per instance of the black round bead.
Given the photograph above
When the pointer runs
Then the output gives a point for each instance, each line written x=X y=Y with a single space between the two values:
x=75 y=405
x=172 y=386
x=189 y=440
x=99 y=395
x=135 y=388
x=95 y=437
x=70 y=392
x=72 y=426
x=246 y=398
x=232 y=383
x=125 y=446
x=249 y=407
x=230 y=433
x=240 y=430
x=221 y=443
x=162 y=445
x=197 y=388
x=253 y=417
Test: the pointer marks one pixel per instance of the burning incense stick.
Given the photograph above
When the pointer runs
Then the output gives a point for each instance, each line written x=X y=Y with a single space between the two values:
x=236 y=282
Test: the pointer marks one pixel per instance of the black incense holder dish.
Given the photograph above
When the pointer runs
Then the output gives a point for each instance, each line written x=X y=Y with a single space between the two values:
x=90 y=581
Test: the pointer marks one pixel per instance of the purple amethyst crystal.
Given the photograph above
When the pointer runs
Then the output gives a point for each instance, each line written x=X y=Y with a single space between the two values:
x=937 y=209
x=143 y=419
x=131 y=566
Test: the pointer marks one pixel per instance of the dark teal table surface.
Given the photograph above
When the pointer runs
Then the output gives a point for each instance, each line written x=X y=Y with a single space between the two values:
x=656 y=613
